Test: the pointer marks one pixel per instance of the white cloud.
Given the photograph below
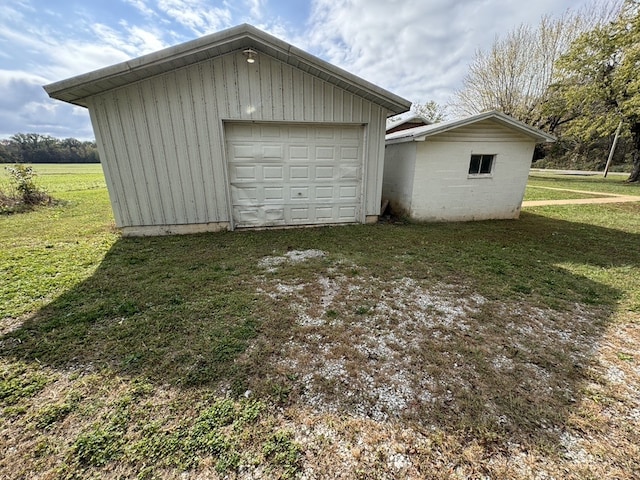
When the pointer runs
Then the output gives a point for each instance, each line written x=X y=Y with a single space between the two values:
x=50 y=51
x=130 y=40
x=73 y=58
x=18 y=88
x=142 y=7
x=145 y=41
x=25 y=107
x=255 y=8
x=419 y=50
x=196 y=15
x=46 y=55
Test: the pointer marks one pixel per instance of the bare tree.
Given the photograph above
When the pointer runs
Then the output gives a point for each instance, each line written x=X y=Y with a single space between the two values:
x=431 y=110
x=514 y=75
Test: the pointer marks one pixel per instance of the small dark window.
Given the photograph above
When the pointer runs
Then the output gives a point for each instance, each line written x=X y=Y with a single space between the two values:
x=481 y=164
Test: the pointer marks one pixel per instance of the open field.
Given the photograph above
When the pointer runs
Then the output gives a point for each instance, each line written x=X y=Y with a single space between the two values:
x=499 y=349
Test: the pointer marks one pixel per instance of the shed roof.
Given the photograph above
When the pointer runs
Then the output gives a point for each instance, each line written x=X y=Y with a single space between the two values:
x=420 y=134
x=76 y=89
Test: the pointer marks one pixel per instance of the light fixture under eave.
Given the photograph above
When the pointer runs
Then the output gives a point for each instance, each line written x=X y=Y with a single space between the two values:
x=251 y=55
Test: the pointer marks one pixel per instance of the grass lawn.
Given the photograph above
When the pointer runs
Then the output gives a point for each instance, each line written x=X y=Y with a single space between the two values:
x=498 y=349
x=535 y=192
x=614 y=183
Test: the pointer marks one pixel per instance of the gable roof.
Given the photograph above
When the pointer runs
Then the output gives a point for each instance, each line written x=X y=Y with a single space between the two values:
x=404 y=118
x=76 y=89
x=420 y=134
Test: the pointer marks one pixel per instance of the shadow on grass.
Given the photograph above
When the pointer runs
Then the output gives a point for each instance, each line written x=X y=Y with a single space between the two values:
x=183 y=310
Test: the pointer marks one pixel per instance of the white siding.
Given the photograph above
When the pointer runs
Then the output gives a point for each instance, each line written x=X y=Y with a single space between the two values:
x=399 y=174
x=163 y=146
x=443 y=190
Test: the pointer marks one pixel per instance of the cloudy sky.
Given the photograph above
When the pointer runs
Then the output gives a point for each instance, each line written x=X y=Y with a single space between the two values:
x=418 y=49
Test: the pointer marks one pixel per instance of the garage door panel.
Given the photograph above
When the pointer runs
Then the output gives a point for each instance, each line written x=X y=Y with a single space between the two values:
x=294 y=174
x=299 y=152
x=298 y=173
x=300 y=214
x=272 y=172
x=245 y=195
x=324 y=193
x=346 y=212
x=272 y=151
x=273 y=193
x=242 y=172
x=348 y=192
x=297 y=194
x=325 y=153
x=349 y=154
x=324 y=172
x=298 y=132
x=246 y=215
x=261 y=215
x=349 y=173
x=326 y=133
x=270 y=131
x=274 y=216
x=324 y=214
x=350 y=133
x=238 y=130
x=241 y=152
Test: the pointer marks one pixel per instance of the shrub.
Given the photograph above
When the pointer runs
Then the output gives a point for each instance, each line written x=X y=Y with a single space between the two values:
x=24 y=193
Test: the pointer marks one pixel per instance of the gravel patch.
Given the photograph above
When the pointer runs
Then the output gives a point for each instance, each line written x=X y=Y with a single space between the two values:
x=270 y=264
x=360 y=349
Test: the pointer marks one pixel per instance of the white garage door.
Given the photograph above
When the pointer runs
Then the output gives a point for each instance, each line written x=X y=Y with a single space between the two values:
x=293 y=174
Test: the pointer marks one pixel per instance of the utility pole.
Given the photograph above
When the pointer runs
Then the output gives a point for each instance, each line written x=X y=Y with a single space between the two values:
x=613 y=149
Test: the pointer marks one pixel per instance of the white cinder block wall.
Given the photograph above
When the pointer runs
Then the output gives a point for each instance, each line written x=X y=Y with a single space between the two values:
x=398 y=177
x=441 y=188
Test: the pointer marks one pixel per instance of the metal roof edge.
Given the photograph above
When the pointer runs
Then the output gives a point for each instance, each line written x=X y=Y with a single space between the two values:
x=159 y=56
x=244 y=33
x=422 y=132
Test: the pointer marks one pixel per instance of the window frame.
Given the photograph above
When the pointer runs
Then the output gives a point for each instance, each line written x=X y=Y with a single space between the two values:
x=491 y=157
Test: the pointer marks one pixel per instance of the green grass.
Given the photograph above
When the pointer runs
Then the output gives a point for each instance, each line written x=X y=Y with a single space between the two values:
x=591 y=183
x=149 y=357
x=63 y=177
x=58 y=246
x=537 y=193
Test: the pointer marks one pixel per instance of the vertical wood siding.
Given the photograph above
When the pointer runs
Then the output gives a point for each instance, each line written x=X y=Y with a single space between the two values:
x=162 y=138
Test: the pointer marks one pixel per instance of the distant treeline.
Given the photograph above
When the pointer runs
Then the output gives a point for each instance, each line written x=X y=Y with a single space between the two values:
x=36 y=148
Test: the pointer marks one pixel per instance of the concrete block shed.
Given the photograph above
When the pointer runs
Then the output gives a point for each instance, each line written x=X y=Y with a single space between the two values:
x=237 y=129
x=475 y=168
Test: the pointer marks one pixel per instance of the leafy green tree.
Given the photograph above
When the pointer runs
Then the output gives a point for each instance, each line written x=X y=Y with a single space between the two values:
x=37 y=148
x=8 y=153
x=599 y=85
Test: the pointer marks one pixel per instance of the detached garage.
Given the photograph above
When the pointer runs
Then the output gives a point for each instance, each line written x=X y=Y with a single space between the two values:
x=475 y=168
x=235 y=130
